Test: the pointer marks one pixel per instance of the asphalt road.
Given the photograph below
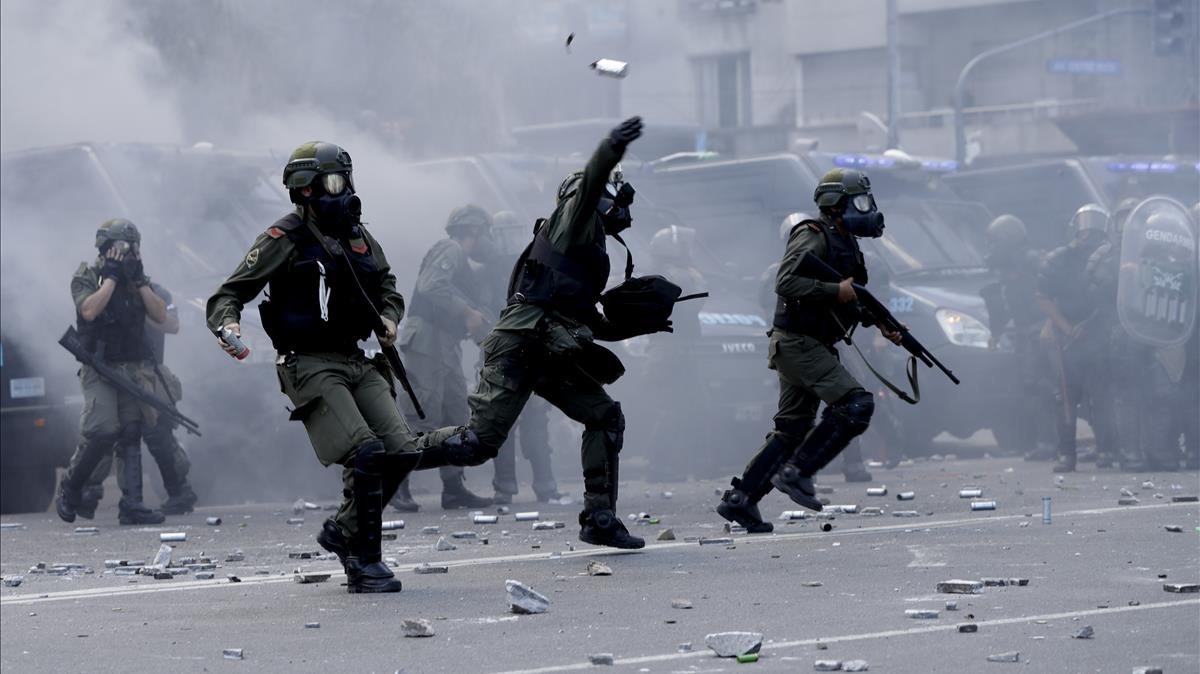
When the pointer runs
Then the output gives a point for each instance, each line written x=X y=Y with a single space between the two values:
x=815 y=595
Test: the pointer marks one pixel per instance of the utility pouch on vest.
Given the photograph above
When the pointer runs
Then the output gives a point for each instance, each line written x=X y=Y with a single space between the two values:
x=563 y=342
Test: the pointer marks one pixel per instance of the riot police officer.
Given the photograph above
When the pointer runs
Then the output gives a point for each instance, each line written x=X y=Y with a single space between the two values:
x=113 y=299
x=810 y=316
x=543 y=341
x=1074 y=340
x=330 y=286
x=1013 y=313
x=446 y=308
x=168 y=454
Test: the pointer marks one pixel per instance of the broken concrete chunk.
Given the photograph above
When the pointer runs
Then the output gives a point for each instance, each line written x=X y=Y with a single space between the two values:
x=733 y=644
x=1011 y=656
x=1085 y=632
x=721 y=540
x=524 y=600
x=431 y=568
x=952 y=605
x=444 y=545
x=872 y=511
x=1185 y=499
x=431 y=530
x=236 y=556
x=855 y=666
x=306 y=577
x=595 y=568
x=681 y=603
x=601 y=658
x=13 y=581
x=960 y=587
x=1181 y=588
x=416 y=627
x=232 y=654
x=465 y=535
x=667 y=535
x=827 y=665
x=968 y=628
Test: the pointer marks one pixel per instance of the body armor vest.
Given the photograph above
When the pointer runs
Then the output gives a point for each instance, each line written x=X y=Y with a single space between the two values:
x=119 y=333
x=569 y=283
x=817 y=320
x=314 y=303
x=465 y=280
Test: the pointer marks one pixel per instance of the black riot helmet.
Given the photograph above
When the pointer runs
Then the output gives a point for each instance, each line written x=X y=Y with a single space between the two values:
x=117 y=229
x=327 y=169
x=847 y=193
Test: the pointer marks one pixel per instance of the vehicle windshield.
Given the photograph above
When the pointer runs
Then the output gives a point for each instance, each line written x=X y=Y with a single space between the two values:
x=919 y=236
x=1122 y=178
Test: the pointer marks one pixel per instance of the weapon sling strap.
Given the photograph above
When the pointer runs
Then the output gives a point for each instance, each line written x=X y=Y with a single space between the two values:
x=910 y=369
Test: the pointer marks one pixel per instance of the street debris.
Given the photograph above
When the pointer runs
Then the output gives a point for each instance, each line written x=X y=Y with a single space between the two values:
x=906 y=496
x=312 y=626
x=233 y=654
x=205 y=575
x=524 y=600
x=793 y=515
x=236 y=556
x=595 y=568
x=905 y=513
x=848 y=509
x=970 y=493
x=431 y=568
x=1147 y=670
x=611 y=68
x=306 y=577
x=1085 y=632
x=827 y=665
x=13 y=581
x=416 y=627
x=233 y=579
x=983 y=505
x=464 y=535
x=1181 y=588
x=531 y=516
x=173 y=537
x=733 y=644
x=1174 y=528
x=1128 y=501
x=734 y=528
x=444 y=545
x=667 y=535
x=485 y=519
x=1185 y=499
x=877 y=491
x=213 y=521
x=601 y=658
x=968 y=628
x=811 y=583
x=681 y=603
x=295 y=521
x=1011 y=656
x=855 y=666
x=747 y=657
x=1003 y=582
x=544 y=526
x=685 y=647
x=960 y=587
x=872 y=511
x=721 y=540
x=162 y=559
x=11 y=525
x=392 y=525
x=952 y=605
x=922 y=613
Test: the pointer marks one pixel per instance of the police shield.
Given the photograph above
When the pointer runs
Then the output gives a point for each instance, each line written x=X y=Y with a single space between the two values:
x=1156 y=290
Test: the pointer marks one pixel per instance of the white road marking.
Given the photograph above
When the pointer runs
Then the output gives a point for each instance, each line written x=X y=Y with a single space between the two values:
x=779 y=645
x=907 y=524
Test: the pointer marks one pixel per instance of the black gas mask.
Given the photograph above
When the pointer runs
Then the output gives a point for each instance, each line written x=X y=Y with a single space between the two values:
x=862 y=218
x=337 y=207
x=613 y=207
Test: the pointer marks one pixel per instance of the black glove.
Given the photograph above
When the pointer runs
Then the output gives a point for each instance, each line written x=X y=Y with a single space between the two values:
x=111 y=268
x=629 y=131
x=132 y=268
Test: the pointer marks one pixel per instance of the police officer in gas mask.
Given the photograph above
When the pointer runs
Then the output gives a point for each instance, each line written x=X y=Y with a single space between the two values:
x=810 y=317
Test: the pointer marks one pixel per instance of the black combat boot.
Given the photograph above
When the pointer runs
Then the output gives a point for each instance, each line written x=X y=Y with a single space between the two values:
x=371 y=578
x=70 y=492
x=181 y=500
x=799 y=487
x=333 y=540
x=737 y=506
x=456 y=496
x=131 y=510
x=89 y=501
x=67 y=503
x=601 y=527
x=403 y=500
x=365 y=570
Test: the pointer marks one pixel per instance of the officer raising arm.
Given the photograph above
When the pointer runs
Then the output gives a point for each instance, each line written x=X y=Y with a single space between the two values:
x=810 y=316
x=330 y=286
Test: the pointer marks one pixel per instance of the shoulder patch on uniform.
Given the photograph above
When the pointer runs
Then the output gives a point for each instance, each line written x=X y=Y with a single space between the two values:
x=813 y=225
x=274 y=232
x=252 y=258
x=284 y=225
x=358 y=246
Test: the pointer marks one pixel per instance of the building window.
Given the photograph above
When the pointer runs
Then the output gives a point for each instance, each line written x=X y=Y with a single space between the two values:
x=723 y=87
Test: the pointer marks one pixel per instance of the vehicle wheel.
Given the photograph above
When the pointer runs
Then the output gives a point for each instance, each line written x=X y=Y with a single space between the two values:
x=27 y=489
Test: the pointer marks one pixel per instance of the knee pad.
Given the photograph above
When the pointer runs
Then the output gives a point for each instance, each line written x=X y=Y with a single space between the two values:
x=854 y=410
x=612 y=424
x=369 y=458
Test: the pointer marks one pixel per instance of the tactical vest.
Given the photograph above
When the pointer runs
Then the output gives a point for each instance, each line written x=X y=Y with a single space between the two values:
x=465 y=280
x=119 y=333
x=817 y=319
x=314 y=303
x=569 y=283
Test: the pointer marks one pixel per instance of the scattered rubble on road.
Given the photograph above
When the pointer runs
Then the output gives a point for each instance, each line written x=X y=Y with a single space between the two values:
x=601 y=658
x=444 y=545
x=922 y=614
x=960 y=587
x=416 y=627
x=233 y=654
x=595 y=568
x=1010 y=656
x=1181 y=588
x=1085 y=632
x=306 y=577
x=733 y=644
x=524 y=600
x=667 y=535
x=681 y=603
x=427 y=568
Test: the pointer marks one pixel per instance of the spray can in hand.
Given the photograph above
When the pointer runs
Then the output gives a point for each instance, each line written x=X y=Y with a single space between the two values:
x=240 y=350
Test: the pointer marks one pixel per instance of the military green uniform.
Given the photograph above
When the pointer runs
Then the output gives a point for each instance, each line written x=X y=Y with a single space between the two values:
x=110 y=417
x=169 y=455
x=531 y=347
x=432 y=337
x=316 y=316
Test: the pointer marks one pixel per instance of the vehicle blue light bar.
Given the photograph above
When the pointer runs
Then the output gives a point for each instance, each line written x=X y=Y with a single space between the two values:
x=1143 y=167
x=861 y=161
x=939 y=165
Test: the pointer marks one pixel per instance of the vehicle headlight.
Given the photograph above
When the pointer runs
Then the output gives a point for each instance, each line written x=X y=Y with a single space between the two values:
x=636 y=346
x=963 y=330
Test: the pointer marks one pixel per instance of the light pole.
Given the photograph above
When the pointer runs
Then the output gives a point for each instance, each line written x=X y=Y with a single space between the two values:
x=960 y=84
